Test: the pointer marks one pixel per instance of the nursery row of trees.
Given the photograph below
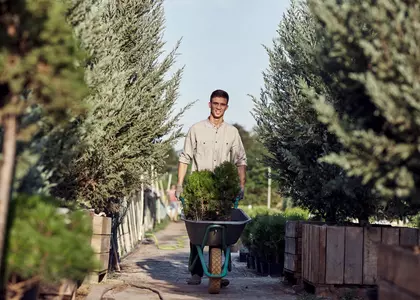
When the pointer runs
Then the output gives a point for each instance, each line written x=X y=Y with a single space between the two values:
x=86 y=108
x=340 y=108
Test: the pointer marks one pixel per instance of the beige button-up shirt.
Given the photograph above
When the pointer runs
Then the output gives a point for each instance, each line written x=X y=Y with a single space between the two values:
x=208 y=146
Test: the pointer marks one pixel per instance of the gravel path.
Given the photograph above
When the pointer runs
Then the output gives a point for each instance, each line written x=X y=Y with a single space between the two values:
x=166 y=271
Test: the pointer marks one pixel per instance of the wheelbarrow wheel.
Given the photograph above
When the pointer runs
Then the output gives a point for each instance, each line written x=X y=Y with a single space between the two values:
x=215 y=266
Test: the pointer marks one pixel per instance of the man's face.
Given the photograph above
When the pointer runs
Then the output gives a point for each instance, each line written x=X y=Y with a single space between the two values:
x=218 y=106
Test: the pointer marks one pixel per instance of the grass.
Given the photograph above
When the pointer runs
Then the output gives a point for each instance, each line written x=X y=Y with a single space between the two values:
x=160 y=226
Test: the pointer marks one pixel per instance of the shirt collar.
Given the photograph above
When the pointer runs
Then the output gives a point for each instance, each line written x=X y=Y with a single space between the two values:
x=210 y=124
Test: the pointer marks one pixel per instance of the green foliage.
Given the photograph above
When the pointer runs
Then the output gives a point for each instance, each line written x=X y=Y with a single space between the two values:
x=210 y=195
x=101 y=157
x=41 y=76
x=198 y=192
x=289 y=128
x=258 y=210
x=265 y=234
x=256 y=172
x=39 y=58
x=227 y=181
x=296 y=213
x=47 y=244
x=371 y=54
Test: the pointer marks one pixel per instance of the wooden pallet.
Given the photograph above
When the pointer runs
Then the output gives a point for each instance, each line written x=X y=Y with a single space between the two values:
x=101 y=244
x=66 y=291
x=293 y=249
x=347 y=255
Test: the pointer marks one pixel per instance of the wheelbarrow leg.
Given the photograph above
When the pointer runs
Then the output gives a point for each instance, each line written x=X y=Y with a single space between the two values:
x=194 y=266
x=230 y=260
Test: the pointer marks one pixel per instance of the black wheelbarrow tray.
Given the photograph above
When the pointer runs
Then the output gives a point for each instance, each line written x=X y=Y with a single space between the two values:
x=219 y=236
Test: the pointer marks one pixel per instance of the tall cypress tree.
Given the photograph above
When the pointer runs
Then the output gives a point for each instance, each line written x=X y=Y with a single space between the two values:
x=130 y=124
x=289 y=127
x=372 y=48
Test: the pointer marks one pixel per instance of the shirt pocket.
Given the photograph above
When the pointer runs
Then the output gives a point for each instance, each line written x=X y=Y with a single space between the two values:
x=202 y=147
x=227 y=148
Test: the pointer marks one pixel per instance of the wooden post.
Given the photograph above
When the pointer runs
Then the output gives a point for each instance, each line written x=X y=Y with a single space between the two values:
x=164 y=197
x=141 y=221
x=169 y=181
x=7 y=170
x=156 y=187
x=269 y=188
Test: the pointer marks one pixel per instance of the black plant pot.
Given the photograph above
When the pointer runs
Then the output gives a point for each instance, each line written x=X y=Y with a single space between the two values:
x=243 y=256
x=31 y=293
x=257 y=265
x=251 y=262
x=264 y=268
x=276 y=269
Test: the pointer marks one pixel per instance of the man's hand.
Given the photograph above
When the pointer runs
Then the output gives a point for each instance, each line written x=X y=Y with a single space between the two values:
x=179 y=190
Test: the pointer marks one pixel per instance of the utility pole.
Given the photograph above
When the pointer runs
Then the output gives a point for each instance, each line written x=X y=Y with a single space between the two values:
x=169 y=181
x=269 y=189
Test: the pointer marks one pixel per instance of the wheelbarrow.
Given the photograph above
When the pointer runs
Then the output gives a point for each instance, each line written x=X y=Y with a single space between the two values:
x=219 y=236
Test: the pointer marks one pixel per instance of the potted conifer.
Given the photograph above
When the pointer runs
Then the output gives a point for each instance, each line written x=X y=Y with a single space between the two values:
x=46 y=246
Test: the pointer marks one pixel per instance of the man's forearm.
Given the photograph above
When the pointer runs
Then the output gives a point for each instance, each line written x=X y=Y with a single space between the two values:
x=242 y=175
x=182 y=170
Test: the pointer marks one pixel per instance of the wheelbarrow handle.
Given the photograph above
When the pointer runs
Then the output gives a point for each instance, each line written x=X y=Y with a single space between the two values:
x=181 y=199
x=235 y=205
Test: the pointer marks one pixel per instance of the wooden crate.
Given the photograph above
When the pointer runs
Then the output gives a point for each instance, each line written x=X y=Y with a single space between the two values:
x=101 y=244
x=398 y=268
x=64 y=291
x=293 y=248
x=347 y=255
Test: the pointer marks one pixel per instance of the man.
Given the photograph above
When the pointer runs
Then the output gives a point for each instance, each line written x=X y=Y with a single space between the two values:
x=208 y=144
x=173 y=203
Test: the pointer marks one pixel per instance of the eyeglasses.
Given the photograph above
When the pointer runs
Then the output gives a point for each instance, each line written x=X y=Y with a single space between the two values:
x=216 y=104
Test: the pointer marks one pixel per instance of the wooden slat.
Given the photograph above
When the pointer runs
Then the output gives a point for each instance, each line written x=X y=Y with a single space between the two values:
x=305 y=244
x=353 y=258
x=290 y=245
x=309 y=254
x=390 y=236
x=372 y=236
x=101 y=243
x=402 y=268
x=104 y=260
x=291 y=229
x=315 y=253
x=101 y=225
x=409 y=236
x=335 y=255
x=299 y=245
x=322 y=253
x=290 y=262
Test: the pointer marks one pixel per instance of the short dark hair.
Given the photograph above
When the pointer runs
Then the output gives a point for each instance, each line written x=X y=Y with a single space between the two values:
x=221 y=94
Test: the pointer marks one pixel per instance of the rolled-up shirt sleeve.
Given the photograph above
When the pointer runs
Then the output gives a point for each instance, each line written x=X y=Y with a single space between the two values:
x=187 y=153
x=238 y=151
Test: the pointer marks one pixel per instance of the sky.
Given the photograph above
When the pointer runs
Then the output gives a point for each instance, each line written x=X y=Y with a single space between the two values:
x=221 y=48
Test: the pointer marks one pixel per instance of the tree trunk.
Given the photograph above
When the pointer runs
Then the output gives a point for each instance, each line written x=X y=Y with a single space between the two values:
x=7 y=168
